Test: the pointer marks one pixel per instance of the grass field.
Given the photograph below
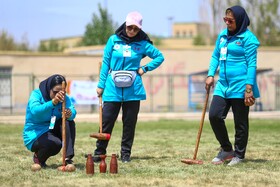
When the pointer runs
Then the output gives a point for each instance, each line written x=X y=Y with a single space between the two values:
x=157 y=151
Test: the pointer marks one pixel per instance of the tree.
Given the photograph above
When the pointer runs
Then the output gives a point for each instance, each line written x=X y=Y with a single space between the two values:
x=264 y=16
x=24 y=45
x=7 y=43
x=199 y=40
x=99 y=30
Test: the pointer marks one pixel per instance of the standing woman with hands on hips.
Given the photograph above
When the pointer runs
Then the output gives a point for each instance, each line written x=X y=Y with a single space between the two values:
x=236 y=56
x=120 y=83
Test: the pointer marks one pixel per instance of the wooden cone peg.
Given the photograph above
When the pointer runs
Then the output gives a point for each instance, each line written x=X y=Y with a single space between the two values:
x=102 y=165
x=89 y=165
x=114 y=164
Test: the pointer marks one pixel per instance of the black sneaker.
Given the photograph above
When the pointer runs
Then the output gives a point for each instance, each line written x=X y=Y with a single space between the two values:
x=36 y=161
x=44 y=165
x=68 y=161
x=125 y=159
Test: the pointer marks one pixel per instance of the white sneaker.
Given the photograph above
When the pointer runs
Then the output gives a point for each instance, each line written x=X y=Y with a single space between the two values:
x=223 y=156
x=234 y=161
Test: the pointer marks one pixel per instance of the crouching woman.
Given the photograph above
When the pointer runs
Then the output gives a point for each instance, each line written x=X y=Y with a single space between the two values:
x=43 y=122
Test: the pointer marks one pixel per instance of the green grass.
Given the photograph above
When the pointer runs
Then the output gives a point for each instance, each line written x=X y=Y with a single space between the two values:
x=157 y=151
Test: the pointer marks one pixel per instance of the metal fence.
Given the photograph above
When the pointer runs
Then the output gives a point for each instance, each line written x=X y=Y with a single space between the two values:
x=165 y=93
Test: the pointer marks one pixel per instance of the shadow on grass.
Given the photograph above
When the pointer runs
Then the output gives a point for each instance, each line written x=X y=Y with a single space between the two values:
x=256 y=160
x=78 y=166
x=148 y=157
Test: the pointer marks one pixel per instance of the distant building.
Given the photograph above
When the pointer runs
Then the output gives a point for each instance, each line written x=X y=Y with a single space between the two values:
x=190 y=30
x=65 y=42
x=182 y=36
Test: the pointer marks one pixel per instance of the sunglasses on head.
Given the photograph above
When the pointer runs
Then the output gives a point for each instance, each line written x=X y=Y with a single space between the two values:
x=229 y=20
x=134 y=28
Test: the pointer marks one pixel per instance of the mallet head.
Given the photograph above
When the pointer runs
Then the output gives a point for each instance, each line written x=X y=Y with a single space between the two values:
x=61 y=168
x=67 y=168
x=191 y=161
x=101 y=136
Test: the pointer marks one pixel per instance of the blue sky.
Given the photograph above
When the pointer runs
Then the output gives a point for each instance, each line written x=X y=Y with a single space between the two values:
x=38 y=20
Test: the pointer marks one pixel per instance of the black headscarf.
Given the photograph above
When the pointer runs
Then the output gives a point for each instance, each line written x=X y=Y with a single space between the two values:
x=141 y=35
x=241 y=19
x=47 y=84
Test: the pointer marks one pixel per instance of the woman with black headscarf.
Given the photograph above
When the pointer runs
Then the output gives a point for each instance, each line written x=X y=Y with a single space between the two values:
x=42 y=129
x=235 y=55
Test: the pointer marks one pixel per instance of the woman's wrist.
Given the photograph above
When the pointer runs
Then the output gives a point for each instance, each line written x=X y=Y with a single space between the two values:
x=145 y=69
x=54 y=102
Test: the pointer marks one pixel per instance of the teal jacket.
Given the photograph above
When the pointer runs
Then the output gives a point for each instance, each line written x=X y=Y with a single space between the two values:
x=114 y=59
x=38 y=116
x=240 y=65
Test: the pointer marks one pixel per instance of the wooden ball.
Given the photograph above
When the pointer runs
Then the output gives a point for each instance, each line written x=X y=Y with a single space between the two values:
x=70 y=167
x=35 y=167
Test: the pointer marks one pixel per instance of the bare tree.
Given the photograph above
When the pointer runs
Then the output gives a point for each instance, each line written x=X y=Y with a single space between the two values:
x=217 y=12
x=264 y=16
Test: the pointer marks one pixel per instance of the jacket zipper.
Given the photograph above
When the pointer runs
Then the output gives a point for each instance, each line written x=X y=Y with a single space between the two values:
x=226 y=70
x=123 y=88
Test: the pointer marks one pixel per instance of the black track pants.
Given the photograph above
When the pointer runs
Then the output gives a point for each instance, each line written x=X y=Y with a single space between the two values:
x=130 y=110
x=218 y=112
x=50 y=143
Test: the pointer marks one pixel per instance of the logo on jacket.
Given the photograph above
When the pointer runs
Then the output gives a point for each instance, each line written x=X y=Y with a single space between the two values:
x=222 y=40
x=238 y=43
x=117 y=46
x=136 y=48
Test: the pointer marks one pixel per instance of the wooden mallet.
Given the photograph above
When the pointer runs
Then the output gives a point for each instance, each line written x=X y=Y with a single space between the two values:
x=100 y=135
x=194 y=161
x=64 y=167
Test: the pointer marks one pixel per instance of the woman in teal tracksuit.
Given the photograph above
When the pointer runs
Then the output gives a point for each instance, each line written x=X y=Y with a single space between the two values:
x=236 y=56
x=124 y=51
x=42 y=129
